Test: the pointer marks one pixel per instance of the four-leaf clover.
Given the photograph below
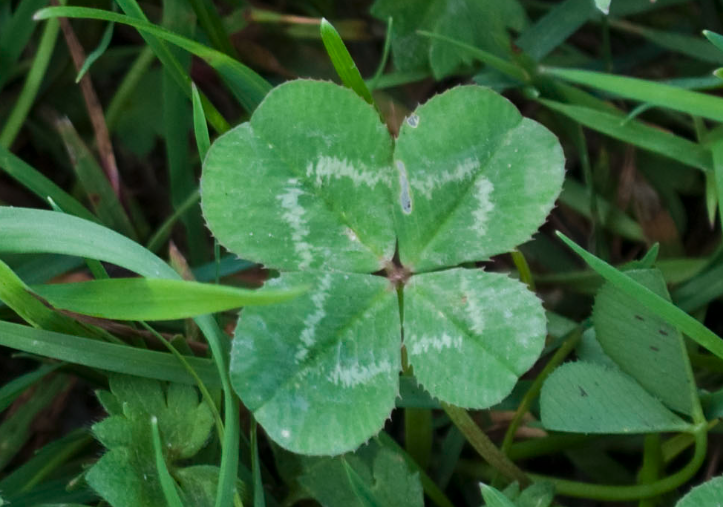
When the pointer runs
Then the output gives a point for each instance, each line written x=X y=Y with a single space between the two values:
x=314 y=186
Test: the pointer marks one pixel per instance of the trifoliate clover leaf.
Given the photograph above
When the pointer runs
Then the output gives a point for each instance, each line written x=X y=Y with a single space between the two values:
x=126 y=475
x=314 y=186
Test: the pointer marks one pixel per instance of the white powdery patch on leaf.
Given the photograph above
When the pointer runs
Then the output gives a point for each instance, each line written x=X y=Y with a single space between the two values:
x=473 y=308
x=405 y=199
x=422 y=344
x=483 y=192
x=308 y=335
x=327 y=168
x=463 y=171
x=294 y=216
x=355 y=374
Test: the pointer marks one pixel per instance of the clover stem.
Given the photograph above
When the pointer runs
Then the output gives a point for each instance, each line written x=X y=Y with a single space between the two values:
x=569 y=343
x=484 y=446
x=612 y=493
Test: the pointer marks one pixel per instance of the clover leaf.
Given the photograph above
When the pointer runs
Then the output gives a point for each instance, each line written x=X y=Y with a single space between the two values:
x=314 y=186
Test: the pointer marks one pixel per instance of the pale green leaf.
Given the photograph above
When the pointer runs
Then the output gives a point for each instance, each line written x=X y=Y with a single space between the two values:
x=591 y=398
x=474 y=179
x=603 y=5
x=708 y=494
x=470 y=335
x=494 y=497
x=643 y=344
x=153 y=299
x=305 y=183
x=321 y=372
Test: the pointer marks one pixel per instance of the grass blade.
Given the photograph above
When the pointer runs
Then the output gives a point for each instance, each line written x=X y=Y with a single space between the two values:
x=97 y=187
x=32 y=84
x=106 y=356
x=555 y=27
x=343 y=62
x=637 y=133
x=259 y=499
x=10 y=391
x=656 y=304
x=200 y=130
x=662 y=95
x=28 y=231
x=33 y=180
x=153 y=299
x=97 y=52
x=19 y=297
x=15 y=36
x=247 y=86
x=168 y=485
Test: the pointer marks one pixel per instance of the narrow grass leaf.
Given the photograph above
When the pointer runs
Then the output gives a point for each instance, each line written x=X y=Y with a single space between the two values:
x=106 y=356
x=100 y=193
x=212 y=24
x=16 y=33
x=555 y=27
x=154 y=299
x=19 y=297
x=200 y=130
x=717 y=151
x=259 y=499
x=10 y=391
x=247 y=86
x=37 y=183
x=693 y=47
x=715 y=38
x=177 y=120
x=17 y=428
x=343 y=62
x=168 y=485
x=638 y=134
x=23 y=103
x=97 y=52
x=656 y=304
x=663 y=95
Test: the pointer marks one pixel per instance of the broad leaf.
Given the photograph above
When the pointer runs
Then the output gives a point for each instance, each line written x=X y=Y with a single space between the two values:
x=126 y=475
x=304 y=184
x=469 y=334
x=380 y=472
x=481 y=23
x=644 y=345
x=321 y=372
x=591 y=398
x=474 y=179
x=708 y=494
